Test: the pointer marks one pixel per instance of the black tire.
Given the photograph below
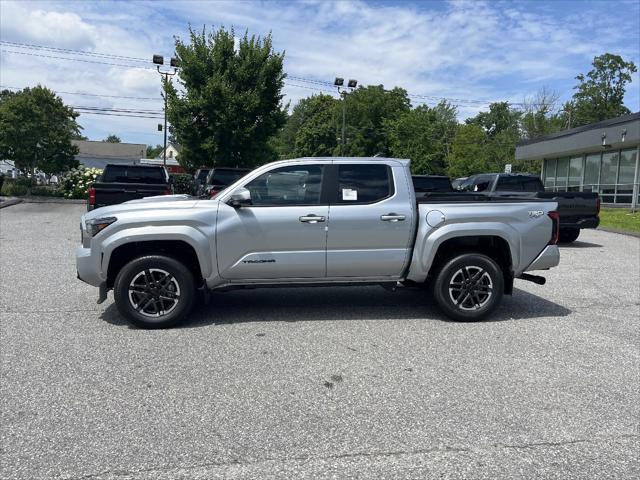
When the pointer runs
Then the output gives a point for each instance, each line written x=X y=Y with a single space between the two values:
x=162 y=288
x=475 y=281
x=569 y=235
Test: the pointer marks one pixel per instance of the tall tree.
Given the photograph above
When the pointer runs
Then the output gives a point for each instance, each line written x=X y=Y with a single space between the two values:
x=500 y=118
x=540 y=115
x=153 y=152
x=600 y=93
x=36 y=129
x=230 y=103
x=424 y=135
x=112 y=138
x=367 y=110
x=469 y=152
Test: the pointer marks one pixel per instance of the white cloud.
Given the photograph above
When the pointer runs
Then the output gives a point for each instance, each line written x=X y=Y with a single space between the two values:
x=473 y=50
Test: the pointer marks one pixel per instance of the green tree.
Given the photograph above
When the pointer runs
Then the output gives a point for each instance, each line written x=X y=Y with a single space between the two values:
x=469 y=152
x=230 y=105
x=540 y=115
x=153 y=152
x=424 y=135
x=367 y=111
x=500 y=118
x=112 y=138
x=600 y=93
x=36 y=129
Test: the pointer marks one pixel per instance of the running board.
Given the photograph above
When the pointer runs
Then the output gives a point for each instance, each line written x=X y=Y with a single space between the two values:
x=533 y=278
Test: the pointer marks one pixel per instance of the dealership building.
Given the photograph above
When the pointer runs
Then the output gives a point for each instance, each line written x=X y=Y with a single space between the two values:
x=602 y=157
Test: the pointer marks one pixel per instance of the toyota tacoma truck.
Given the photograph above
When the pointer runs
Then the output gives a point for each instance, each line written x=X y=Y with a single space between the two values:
x=577 y=210
x=315 y=221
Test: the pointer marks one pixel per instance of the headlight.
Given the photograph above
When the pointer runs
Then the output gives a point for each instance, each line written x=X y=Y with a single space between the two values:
x=96 y=225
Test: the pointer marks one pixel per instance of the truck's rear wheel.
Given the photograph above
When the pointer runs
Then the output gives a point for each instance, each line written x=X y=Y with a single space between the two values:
x=154 y=291
x=568 y=235
x=468 y=287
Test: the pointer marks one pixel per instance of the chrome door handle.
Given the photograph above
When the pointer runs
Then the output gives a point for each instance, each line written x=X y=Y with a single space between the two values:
x=311 y=218
x=392 y=217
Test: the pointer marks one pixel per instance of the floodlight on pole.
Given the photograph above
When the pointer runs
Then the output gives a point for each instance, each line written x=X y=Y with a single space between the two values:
x=175 y=63
x=351 y=85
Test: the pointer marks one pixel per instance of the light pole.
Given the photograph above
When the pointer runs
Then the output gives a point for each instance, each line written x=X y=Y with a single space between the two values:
x=351 y=84
x=159 y=60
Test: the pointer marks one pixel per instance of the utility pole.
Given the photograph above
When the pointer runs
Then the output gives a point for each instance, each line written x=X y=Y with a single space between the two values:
x=351 y=85
x=159 y=60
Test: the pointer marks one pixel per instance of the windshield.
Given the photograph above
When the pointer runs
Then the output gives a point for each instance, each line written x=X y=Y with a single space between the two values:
x=226 y=177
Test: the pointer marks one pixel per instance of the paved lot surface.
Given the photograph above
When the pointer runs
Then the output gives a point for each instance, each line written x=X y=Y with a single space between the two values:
x=317 y=383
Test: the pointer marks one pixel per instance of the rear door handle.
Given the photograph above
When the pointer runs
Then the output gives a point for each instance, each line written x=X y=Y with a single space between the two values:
x=392 y=217
x=311 y=218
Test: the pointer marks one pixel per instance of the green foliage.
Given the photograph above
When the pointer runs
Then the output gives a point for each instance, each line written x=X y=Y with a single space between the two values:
x=368 y=109
x=423 y=135
x=36 y=129
x=500 y=118
x=311 y=129
x=46 y=191
x=232 y=100
x=111 y=138
x=183 y=183
x=76 y=182
x=540 y=116
x=469 y=152
x=600 y=93
x=153 y=152
x=11 y=188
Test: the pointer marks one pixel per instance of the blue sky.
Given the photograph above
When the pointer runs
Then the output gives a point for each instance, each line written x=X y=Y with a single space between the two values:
x=472 y=51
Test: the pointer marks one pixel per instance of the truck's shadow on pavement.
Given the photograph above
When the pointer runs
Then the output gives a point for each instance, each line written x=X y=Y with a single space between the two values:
x=578 y=244
x=335 y=303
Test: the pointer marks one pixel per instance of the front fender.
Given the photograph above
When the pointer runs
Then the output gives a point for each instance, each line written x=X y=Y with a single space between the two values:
x=192 y=236
x=429 y=240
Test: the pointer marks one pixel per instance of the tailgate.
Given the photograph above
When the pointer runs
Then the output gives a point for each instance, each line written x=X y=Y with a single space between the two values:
x=115 y=193
x=574 y=207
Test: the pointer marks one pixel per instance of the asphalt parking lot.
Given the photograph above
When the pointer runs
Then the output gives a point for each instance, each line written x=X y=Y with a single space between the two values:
x=308 y=383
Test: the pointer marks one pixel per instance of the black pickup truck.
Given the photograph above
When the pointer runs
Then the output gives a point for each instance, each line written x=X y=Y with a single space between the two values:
x=120 y=183
x=423 y=184
x=577 y=209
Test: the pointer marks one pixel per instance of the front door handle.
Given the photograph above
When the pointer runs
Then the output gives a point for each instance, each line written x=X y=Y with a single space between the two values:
x=311 y=218
x=392 y=217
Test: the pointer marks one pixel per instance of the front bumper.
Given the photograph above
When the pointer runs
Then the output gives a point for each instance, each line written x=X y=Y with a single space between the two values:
x=88 y=267
x=548 y=258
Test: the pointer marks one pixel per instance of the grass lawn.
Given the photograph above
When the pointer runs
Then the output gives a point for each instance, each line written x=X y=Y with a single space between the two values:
x=620 y=219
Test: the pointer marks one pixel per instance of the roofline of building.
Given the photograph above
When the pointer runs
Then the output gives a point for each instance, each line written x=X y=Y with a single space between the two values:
x=585 y=128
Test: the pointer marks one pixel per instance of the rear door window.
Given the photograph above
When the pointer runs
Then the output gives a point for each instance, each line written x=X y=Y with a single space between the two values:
x=362 y=183
x=125 y=174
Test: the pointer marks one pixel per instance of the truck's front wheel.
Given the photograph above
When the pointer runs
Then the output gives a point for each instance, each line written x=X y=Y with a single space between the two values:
x=468 y=287
x=154 y=291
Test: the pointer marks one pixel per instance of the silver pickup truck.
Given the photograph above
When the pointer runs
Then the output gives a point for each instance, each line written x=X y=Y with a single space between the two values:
x=315 y=221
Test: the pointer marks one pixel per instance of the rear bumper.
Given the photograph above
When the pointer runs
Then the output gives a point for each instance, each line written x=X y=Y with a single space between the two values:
x=548 y=258
x=589 y=222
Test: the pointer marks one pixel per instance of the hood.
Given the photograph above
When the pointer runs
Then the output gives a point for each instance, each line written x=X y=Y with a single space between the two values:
x=161 y=202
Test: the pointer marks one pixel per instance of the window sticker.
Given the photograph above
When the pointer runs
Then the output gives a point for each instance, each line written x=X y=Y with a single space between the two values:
x=349 y=194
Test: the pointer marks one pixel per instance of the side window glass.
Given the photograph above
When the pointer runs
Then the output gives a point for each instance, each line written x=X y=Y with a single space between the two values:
x=480 y=185
x=291 y=185
x=358 y=184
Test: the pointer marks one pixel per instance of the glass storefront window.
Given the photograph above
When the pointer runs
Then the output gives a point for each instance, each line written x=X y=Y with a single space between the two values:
x=561 y=174
x=550 y=174
x=626 y=175
x=608 y=176
x=591 y=173
x=575 y=174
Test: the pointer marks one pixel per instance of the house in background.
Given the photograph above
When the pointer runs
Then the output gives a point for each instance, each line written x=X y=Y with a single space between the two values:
x=602 y=157
x=98 y=154
x=173 y=150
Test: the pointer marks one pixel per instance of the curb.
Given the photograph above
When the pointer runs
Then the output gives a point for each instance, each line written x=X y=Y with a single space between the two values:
x=619 y=232
x=54 y=200
x=10 y=201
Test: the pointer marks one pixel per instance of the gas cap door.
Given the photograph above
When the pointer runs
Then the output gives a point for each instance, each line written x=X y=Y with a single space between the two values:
x=435 y=218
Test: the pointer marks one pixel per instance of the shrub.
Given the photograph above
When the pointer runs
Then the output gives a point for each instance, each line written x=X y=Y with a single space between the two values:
x=11 y=188
x=46 y=191
x=183 y=183
x=76 y=182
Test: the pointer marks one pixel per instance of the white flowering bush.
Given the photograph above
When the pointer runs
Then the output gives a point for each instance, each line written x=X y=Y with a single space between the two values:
x=76 y=182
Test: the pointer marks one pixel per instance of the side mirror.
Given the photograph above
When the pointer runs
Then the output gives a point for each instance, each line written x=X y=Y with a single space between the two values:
x=240 y=197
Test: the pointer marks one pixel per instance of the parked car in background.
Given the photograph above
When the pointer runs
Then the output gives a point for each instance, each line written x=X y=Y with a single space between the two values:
x=457 y=183
x=316 y=221
x=220 y=178
x=577 y=210
x=431 y=183
x=199 y=178
x=120 y=183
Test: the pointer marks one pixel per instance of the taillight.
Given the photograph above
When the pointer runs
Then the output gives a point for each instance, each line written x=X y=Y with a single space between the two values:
x=598 y=205
x=555 y=230
x=92 y=196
